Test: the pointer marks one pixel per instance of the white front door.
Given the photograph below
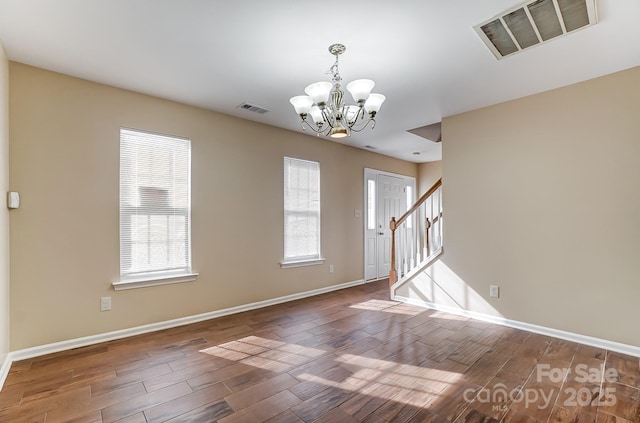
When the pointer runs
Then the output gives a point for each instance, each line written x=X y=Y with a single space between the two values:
x=385 y=197
x=391 y=203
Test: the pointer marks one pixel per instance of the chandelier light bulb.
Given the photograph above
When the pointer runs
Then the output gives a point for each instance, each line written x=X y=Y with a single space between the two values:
x=360 y=89
x=351 y=113
x=374 y=102
x=319 y=92
x=316 y=115
x=338 y=131
x=302 y=104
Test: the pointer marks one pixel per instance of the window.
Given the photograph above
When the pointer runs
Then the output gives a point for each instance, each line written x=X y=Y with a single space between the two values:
x=301 y=212
x=155 y=226
x=371 y=204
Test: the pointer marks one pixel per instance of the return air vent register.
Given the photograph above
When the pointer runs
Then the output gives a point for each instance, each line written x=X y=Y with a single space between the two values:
x=535 y=22
x=253 y=108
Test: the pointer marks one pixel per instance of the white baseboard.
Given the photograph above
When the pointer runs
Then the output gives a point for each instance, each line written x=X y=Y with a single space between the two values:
x=139 y=330
x=542 y=330
x=4 y=368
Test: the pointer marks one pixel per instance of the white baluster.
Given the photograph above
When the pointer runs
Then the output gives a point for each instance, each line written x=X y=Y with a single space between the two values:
x=400 y=250
x=405 y=260
x=439 y=217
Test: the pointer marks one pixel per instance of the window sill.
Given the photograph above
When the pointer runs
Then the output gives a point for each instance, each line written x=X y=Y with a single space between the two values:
x=144 y=282
x=300 y=263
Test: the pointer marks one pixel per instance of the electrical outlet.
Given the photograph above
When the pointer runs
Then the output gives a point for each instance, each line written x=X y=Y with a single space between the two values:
x=494 y=291
x=105 y=303
x=331 y=268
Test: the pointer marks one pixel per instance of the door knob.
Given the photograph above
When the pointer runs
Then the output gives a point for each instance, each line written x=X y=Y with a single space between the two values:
x=380 y=233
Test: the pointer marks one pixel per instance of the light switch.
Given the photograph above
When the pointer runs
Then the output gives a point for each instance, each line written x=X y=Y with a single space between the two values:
x=494 y=291
x=13 y=200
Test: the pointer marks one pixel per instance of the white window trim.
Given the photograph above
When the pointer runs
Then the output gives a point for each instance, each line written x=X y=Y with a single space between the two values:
x=286 y=264
x=144 y=281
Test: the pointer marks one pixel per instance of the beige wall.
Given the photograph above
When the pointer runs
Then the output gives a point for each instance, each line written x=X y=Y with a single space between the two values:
x=542 y=197
x=4 y=212
x=428 y=174
x=64 y=248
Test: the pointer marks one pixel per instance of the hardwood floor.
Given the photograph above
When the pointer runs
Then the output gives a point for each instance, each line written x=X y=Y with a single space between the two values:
x=345 y=356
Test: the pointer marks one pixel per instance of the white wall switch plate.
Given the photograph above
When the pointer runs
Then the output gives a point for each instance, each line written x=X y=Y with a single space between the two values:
x=494 y=291
x=13 y=200
x=105 y=303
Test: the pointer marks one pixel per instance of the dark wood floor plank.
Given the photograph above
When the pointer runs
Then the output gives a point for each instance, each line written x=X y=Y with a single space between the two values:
x=216 y=376
x=67 y=359
x=208 y=413
x=136 y=418
x=626 y=368
x=321 y=404
x=572 y=415
x=260 y=391
x=128 y=408
x=77 y=409
x=284 y=417
x=313 y=384
x=39 y=406
x=265 y=409
x=248 y=379
x=84 y=378
x=184 y=373
x=336 y=415
x=186 y=403
x=29 y=418
x=91 y=417
x=11 y=396
x=367 y=401
x=627 y=401
x=38 y=376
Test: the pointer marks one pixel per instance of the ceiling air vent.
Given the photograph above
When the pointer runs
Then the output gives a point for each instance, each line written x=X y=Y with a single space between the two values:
x=253 y=108
x=533 y=23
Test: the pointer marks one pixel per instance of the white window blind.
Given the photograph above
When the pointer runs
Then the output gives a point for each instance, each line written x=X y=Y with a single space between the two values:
x=155 y=191
x=301 y=210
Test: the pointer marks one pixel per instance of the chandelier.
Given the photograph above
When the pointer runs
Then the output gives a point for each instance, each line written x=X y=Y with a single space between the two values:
x=324 y=102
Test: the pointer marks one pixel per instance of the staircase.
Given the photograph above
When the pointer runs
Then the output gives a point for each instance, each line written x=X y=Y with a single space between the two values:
x=416 y=238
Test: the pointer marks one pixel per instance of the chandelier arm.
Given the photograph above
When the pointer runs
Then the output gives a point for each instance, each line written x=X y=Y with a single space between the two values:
x=359 y=115
x=328 y=117
x=317 y=129
x=366 y=123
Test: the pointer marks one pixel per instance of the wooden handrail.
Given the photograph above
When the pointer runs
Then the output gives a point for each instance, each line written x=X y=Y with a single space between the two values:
x=416 y=205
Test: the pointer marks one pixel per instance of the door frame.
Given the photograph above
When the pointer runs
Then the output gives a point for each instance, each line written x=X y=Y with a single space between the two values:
x=372 y=174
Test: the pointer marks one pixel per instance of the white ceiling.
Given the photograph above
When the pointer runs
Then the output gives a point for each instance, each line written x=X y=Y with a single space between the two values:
x=423 y=54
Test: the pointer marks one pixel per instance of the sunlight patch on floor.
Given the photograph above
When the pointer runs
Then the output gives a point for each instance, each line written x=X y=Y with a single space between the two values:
x=404 y=383
x=388 y=307
x=265 y=353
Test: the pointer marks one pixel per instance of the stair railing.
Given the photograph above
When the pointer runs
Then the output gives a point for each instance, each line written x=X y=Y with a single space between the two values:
x=417 y=235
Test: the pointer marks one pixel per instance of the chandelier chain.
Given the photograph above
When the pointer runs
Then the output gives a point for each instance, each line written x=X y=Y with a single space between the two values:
x=334 y=71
